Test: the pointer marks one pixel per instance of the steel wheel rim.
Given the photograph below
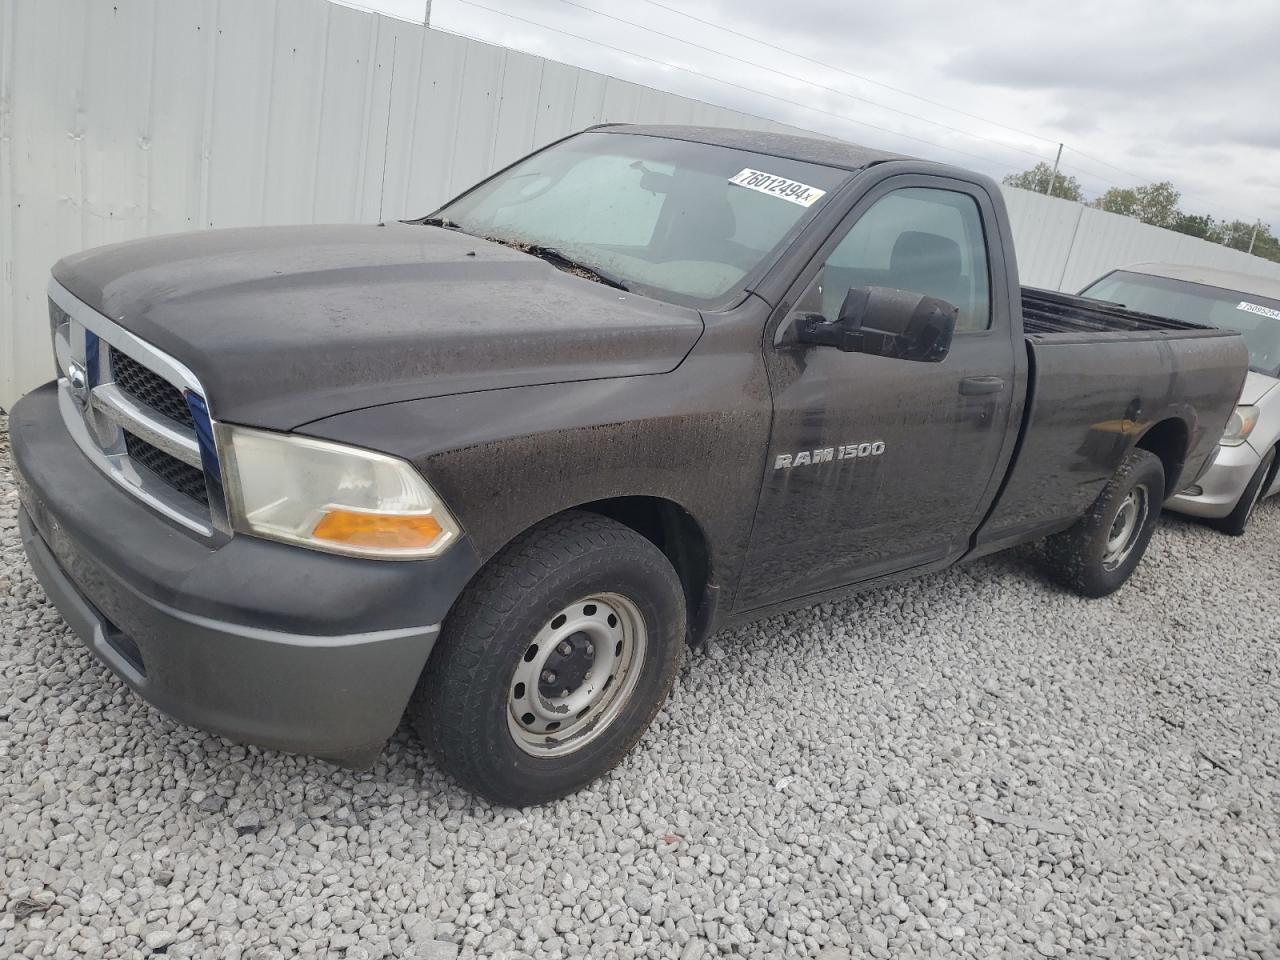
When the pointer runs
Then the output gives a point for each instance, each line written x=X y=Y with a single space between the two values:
x=1125 y=528
x=549 y=723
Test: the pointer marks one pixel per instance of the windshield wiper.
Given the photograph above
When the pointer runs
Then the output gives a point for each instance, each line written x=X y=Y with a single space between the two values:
x=552 y=255
x=560 y=259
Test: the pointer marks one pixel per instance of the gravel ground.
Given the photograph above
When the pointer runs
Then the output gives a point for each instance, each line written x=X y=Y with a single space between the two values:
x=975 y=764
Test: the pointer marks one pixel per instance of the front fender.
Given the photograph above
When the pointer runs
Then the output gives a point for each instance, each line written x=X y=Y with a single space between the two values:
x=505 y=459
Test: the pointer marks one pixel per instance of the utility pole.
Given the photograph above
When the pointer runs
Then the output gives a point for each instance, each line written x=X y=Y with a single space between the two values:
x=1256 y=224
x=1054 y=179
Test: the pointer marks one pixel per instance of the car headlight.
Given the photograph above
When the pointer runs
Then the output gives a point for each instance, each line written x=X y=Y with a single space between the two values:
x=1241 y=424
x=329 y=496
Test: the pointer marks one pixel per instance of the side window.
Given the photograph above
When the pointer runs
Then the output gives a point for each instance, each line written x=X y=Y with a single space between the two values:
x=921 y=239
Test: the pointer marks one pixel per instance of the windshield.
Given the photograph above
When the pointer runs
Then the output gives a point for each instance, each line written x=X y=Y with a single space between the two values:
x=1257 y=318
x=688 y=222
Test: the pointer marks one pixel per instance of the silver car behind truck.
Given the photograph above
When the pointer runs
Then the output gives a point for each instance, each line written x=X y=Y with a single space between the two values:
x=1246 y=469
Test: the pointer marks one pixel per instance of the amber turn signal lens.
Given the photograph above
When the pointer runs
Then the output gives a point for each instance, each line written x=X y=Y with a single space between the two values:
x=378 y=530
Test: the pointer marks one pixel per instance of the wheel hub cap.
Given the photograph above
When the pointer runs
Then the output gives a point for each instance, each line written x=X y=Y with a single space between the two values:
x=568 y=666
x=576 y=675
x=1125 y=528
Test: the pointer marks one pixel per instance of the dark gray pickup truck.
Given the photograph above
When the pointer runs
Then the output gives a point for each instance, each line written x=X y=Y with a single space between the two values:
x=499 y=466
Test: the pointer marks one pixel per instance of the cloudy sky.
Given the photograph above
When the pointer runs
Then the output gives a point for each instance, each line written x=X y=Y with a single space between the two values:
x=1138 y=91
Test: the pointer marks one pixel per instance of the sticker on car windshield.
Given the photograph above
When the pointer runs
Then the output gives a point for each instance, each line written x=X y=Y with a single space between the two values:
x=1262 y=311
x=791 y=190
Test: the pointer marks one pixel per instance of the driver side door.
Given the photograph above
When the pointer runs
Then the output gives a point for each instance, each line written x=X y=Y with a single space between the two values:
x=878 y=465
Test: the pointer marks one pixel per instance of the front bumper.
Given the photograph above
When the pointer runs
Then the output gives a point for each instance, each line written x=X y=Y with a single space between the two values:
x=1221 y=485
x=258 y=641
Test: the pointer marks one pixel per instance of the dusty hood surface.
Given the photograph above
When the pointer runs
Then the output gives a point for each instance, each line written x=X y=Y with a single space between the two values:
x=285 y=325
x=1255 y=386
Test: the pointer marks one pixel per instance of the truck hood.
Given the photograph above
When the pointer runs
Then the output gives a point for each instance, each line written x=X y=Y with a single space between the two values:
x=1255 y=386
x=285 y=325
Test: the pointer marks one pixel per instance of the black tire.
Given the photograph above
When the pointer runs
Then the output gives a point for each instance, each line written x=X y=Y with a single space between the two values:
x=1080 y=557
x=464 y=705
x=1236 y=522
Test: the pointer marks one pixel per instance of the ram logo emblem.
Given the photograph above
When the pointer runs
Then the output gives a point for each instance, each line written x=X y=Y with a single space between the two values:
x=848 y=451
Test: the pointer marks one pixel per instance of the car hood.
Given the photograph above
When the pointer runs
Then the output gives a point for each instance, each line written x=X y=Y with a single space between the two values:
x=1255 y=386
x=285 y=325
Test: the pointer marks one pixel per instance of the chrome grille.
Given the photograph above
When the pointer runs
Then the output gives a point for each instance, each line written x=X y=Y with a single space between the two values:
x=186 y=479
x=150 y=389
x=138 y=413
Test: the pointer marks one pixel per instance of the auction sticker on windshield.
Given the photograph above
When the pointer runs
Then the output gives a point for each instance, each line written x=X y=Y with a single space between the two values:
x=791 y=190
x=1262 y=311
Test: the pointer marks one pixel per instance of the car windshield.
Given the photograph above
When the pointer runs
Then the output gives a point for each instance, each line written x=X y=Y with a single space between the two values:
x=688 y=222
x=1257 y=318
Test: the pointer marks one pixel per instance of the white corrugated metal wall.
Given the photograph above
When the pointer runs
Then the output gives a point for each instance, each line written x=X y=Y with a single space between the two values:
x=133 y=117
x=1064 y=245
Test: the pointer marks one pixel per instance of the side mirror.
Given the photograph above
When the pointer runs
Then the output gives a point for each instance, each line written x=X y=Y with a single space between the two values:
x=886 y=323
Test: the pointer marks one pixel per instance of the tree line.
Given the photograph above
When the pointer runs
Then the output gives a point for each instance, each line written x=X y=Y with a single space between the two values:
x=1153 y=203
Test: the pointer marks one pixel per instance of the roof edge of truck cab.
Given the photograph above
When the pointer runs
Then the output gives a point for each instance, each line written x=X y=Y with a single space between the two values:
x=793 y=146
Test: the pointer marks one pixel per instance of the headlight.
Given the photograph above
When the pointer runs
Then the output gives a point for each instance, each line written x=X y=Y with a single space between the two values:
x=332 y=497
x=1241 y=424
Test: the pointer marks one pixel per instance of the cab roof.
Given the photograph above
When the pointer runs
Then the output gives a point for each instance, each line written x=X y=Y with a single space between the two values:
x=831 y=153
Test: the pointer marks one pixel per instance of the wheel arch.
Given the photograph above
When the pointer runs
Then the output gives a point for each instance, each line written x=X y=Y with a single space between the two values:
x=1271 y=482
x=1169 y=439
x=673 y=530
x=666 y=524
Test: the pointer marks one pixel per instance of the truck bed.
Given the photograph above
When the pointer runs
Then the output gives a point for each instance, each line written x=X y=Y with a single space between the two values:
x=1098 y=376
x=1047 y=314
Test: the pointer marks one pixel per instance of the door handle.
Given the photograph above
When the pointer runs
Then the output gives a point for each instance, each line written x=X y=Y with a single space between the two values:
x=977 y=386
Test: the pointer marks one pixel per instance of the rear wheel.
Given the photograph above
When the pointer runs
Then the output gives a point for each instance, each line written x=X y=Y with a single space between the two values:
x=1237 y=521
x=554 y=660
x=1097 y=555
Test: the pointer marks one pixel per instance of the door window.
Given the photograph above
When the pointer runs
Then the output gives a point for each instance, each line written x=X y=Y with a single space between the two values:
x=920 y=239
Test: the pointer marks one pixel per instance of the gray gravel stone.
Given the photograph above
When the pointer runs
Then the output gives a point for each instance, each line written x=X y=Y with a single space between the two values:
x=639 y=899
x=157 y=939
x=247 y=821
x=973 y=764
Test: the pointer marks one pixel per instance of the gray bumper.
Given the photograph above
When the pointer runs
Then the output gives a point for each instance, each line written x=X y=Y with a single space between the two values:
x=337 y=697
x=269 y=644
x=1221 y=485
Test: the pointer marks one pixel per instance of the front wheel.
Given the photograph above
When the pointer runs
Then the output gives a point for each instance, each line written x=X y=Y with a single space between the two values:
x=554 y=660
x=1237 y=521
x=1096 y=555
